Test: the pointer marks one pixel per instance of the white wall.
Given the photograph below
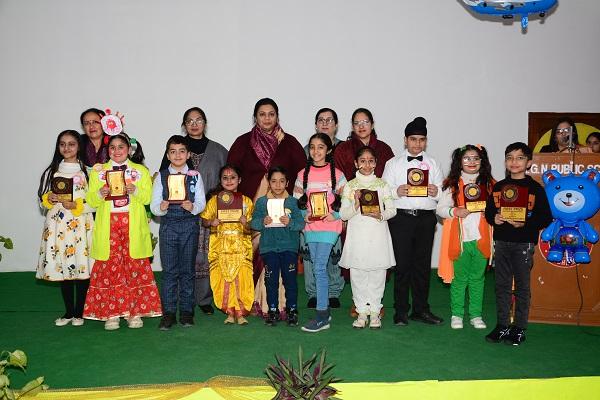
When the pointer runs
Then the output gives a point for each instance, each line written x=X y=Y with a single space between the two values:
x=474 y=80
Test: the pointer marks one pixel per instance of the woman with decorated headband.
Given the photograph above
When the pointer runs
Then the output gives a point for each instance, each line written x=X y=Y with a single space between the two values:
x=122 y=283
x=466 y=236
x=254 y=153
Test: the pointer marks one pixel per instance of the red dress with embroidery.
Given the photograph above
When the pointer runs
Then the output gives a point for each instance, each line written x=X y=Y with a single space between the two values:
x=121 y=286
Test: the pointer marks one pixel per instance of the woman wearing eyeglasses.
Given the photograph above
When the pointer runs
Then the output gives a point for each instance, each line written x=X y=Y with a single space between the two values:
x=94 y=150
x=562 y=133
x=207 y=157
x=254 y=153
x=363 y=134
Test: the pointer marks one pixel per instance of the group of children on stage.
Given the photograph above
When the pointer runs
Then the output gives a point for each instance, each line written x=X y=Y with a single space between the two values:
x=113 y=249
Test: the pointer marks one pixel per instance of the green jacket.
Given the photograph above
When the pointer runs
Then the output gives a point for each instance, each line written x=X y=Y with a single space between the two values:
x=140 y=244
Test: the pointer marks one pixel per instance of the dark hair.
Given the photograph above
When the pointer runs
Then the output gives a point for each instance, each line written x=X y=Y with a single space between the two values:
x=96 y=111
x=324 y=110
x=519 y=146
x=49 y=172
x=219 y=188
x=177 y=139
x=264 y=102
x=594 y=135
x=275 y=169
x=369 y=116
x=138 y=155
x=309 y=163
x=363 y=150
x=187 y=113
x=553 y=143
x=484 y=178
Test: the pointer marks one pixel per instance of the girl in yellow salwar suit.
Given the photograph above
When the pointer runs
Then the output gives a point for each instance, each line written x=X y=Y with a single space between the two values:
x=228 y=215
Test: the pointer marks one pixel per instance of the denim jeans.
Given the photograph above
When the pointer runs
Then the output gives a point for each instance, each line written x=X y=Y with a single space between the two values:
x=319 y=253
x=287 y=263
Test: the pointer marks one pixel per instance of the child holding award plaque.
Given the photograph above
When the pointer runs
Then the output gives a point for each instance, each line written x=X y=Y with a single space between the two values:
x=517 y=209
x=466 y=236
x=122 y=283
x=367 y=204
x=318 y=188
x=228 y=214
x=178 y=197
x=64 y=252
x=278 y=219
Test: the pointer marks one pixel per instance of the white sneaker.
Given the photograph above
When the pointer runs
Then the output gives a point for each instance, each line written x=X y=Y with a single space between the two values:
x=135 y=322
x=77 y=321
x=478 y=323
x=62 y=321
x=360 y=322
x=112 y=324
x=456 y=322
x=375 y=321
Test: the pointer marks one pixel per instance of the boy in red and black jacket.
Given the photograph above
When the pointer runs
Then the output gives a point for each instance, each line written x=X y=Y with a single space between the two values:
x=515 y=240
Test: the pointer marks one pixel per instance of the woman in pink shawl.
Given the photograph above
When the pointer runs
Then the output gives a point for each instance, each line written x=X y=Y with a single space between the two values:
x=265 y=146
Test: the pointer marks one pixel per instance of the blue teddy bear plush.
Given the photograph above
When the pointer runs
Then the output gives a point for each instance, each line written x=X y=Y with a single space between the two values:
x=573 y=199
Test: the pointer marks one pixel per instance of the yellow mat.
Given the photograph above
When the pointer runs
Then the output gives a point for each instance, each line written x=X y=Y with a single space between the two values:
x=236 y=388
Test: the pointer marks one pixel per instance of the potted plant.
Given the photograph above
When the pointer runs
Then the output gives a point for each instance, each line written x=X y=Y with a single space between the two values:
x=17 y=359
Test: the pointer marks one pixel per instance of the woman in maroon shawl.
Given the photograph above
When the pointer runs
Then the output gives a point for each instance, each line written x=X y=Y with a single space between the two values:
x=363 y=134
x=265 y=146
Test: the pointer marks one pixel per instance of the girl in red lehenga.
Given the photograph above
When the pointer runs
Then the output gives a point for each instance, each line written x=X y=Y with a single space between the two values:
x=122 y=283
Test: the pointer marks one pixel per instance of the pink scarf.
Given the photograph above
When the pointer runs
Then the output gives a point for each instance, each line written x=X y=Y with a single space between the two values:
x=264 y=144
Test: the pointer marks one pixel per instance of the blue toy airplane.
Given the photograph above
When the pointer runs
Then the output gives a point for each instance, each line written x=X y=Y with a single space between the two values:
x=508 y=9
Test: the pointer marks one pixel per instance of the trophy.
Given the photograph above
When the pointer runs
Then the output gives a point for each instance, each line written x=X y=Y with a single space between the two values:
x=276 y=210
x=63 y=188
x=229 y=206
x=417 y=180
x=475 y=197
x=514 y=200
x=318 y=205
x=176 y=188
x=115 y=180
x=369 y=201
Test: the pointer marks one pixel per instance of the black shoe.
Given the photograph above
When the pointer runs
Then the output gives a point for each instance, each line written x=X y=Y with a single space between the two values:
x=292 y=317
x=207 y=309
x=400 y=319
x=515 y=336
x=312 y=303
x=427 y=318
x=272 y=317
x=499 y=333
x=186 y=320
x=334 y=302
x=167 y=321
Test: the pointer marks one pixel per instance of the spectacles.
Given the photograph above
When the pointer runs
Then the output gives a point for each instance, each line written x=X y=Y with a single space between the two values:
x=91 y=123
x=325 y=121
x=564 y=131
x=517 y=158
x=362 y=122
x=471 y=159
x=198 y=121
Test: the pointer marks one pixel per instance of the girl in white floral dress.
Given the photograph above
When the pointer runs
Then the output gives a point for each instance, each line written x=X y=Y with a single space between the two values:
x=64 y=252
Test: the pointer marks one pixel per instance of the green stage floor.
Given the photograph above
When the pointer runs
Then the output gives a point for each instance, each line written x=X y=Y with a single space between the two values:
x=88 y=356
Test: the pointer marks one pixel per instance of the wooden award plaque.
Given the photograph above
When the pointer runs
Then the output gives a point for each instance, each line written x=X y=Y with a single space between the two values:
x=176 y=188
x=63 y=188
x=319 y=207
x=229 y=206
x=513 y=202
x=115 y=179
x=369 y=202
x=417 y=180
x=475 y=197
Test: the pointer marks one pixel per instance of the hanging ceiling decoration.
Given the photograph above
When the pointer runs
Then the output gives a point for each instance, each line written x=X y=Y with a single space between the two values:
x=508 y=9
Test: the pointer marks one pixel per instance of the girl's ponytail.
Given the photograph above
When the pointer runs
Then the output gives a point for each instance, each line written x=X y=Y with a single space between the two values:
x=304 y=198
x=337 y=202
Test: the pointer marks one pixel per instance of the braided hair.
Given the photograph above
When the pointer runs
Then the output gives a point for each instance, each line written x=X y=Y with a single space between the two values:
x=303 y=200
